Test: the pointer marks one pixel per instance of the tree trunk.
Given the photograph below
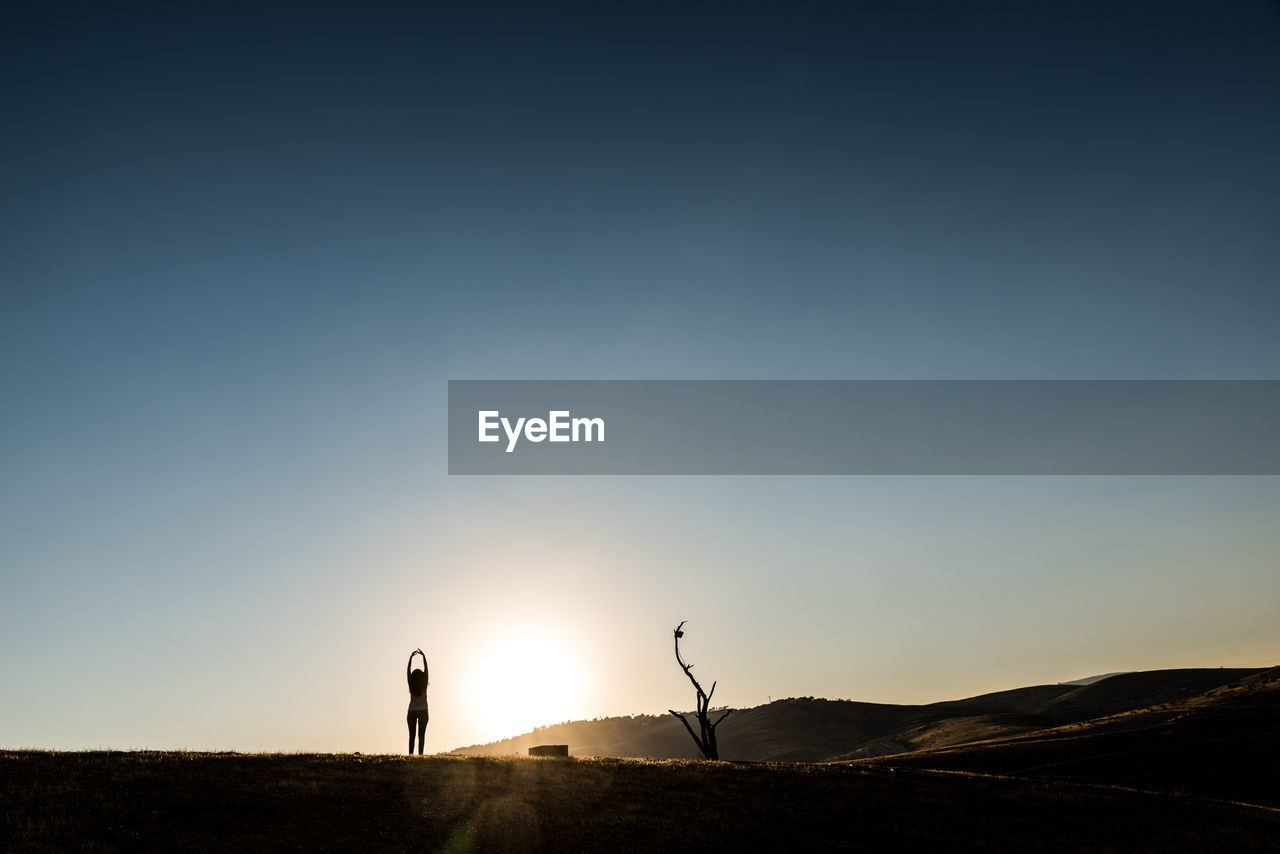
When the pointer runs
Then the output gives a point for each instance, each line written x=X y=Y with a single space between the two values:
x=706 y=741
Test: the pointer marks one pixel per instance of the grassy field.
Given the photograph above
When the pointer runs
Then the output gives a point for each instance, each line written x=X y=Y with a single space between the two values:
x=269 y=802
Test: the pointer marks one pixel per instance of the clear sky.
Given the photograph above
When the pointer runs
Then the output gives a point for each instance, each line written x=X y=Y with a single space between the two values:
x=243 y=247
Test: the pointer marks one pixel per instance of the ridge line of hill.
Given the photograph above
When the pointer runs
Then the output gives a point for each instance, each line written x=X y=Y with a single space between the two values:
x=820 y=730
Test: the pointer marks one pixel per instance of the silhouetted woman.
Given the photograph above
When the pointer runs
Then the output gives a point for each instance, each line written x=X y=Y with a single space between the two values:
x=418 y=683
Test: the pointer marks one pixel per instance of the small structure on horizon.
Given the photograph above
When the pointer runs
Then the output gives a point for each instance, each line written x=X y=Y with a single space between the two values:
x=561 y=750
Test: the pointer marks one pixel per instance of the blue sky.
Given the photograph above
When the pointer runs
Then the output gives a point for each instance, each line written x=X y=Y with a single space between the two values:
x=244 y=250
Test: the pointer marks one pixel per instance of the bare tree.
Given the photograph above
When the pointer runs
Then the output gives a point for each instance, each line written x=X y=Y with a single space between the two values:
x=706 y=741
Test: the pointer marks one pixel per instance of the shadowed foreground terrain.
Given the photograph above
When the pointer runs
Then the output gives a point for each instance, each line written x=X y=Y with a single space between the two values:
x=267 y=802
x=1175 y=760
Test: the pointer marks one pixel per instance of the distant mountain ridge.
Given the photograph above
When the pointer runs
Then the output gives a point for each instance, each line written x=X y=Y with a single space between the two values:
x=1089 y=680
x=818 y=730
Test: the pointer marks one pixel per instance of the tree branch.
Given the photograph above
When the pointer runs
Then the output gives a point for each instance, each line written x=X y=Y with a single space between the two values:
x=692 y=735
x=707 y=741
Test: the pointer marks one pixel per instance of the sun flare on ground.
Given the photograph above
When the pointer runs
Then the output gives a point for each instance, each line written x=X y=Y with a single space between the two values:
x=525 y=679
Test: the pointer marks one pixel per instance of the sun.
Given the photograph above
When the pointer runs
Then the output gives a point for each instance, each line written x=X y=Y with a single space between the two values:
x=525 y=679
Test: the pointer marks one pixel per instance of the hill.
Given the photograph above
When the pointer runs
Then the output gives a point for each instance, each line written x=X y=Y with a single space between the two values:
x=150 y=801
x=1175 y=760
x=817 y=730
x=1089 y=680
x=1222 y=743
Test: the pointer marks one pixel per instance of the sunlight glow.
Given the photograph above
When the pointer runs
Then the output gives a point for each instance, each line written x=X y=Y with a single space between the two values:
x=525 y=679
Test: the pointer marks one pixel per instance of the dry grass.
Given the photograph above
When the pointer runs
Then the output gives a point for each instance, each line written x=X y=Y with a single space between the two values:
x=271 y=802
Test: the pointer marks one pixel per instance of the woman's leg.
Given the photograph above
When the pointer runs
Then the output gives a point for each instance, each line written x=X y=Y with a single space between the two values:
x=410 y=718
x=422 y=731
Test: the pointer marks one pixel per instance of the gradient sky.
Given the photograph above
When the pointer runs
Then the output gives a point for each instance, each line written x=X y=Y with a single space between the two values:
x=244 y=246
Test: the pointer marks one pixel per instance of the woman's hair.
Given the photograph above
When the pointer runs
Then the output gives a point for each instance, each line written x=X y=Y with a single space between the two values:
x=417 y=682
